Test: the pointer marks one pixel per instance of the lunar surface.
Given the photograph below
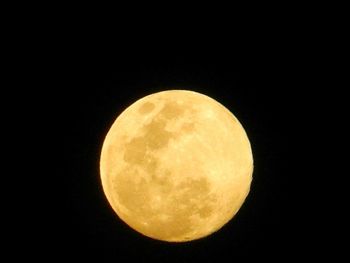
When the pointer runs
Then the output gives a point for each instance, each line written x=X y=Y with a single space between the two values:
x=176 y=166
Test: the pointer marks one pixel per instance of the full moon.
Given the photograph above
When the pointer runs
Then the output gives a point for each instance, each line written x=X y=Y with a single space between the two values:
x=176 y=165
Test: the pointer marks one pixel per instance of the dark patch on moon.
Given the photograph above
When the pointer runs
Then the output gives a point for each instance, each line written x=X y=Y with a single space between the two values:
x=172 y=110
x=146 y=108
x=154 y=135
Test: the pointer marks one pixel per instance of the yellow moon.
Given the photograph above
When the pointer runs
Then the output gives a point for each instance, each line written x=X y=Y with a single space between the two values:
x=176 y=165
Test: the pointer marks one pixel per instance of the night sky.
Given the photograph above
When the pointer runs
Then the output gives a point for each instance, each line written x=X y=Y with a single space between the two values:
x=259 y=89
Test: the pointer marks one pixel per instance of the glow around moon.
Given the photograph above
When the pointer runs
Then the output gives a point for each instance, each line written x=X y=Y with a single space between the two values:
x=176 y=165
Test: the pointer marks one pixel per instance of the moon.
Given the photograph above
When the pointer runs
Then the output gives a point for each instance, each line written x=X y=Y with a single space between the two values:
x=176 y=165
